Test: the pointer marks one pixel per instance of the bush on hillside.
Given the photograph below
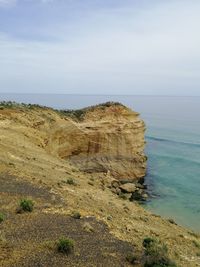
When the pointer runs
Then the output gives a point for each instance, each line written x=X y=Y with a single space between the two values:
x=26 y=205
x=65 y=245
x=156 y=254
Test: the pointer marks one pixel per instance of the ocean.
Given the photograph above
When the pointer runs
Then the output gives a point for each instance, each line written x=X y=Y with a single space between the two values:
x=173 y=147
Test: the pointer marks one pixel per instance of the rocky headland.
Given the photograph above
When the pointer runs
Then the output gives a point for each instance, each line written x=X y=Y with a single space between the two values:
x=89 y=162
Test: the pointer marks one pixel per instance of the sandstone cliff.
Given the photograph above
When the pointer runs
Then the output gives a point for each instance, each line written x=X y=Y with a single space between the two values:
x=109 y=138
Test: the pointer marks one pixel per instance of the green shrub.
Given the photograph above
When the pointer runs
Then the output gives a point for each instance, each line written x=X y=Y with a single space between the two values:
x=76 y=215
x=156 y=254
x=196 y=243
x=65 y=245
x=26 y=205
x=71 y=181
x=2 y=217
x=131 y=258
x=148 y=242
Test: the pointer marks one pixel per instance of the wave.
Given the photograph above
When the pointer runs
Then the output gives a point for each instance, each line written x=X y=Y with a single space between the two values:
x=172 y=141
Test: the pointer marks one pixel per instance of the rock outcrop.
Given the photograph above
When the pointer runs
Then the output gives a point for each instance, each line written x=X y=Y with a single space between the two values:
x=105 y=139
x=108 y=139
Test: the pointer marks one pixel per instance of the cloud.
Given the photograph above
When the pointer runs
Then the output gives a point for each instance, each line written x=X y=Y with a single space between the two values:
x=7 y=3
x=121 y=50
x=12 y=3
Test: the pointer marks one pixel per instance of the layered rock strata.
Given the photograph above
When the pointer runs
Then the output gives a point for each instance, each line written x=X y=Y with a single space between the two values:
x=108 y=139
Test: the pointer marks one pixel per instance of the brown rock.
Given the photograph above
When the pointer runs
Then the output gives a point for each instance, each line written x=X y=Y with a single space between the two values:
x=115 y=183
x=128 y=188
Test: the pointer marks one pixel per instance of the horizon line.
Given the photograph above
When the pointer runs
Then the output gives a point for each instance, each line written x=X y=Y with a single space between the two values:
x=76 y=94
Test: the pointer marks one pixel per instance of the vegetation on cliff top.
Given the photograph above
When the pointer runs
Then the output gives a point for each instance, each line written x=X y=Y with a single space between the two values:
x=77 y=114
x=80 y=113
x=15 y=105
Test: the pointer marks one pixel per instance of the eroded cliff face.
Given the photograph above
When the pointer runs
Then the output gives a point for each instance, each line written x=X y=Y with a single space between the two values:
x=109 y=139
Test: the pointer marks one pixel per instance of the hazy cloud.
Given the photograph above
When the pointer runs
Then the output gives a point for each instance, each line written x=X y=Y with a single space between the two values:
x=7 y=3
x=121 y=49
x=12 y=3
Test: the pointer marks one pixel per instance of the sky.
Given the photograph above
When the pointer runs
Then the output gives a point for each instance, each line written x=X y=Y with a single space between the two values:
x=100 y=47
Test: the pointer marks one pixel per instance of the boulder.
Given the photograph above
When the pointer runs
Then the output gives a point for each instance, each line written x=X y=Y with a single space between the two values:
x=115 y=183
x=128 y=188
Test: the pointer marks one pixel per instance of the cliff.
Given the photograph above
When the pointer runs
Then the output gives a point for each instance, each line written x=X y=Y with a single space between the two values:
x=108 y=138
x=73 y=161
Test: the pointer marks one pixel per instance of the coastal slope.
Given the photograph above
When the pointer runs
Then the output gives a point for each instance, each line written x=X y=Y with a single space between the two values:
x=90 y=162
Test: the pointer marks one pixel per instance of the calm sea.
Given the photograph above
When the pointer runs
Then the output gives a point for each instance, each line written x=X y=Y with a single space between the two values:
x=173 y=147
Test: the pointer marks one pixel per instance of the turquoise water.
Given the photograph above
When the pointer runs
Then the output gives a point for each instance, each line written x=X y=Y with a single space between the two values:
x=173 y=148
x=174 y=178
